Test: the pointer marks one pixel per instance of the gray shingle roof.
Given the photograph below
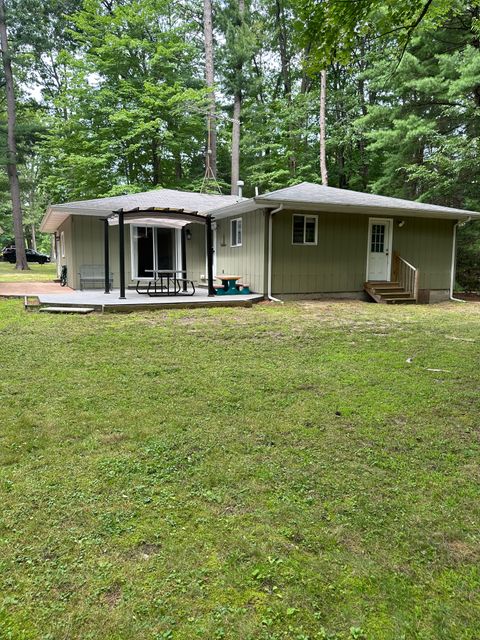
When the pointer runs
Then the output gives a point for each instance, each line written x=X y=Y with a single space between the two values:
x=311 y=193
x=315 y=197
x=167 y=198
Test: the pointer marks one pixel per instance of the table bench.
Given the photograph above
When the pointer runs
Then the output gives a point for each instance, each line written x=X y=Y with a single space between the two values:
x=92 y=276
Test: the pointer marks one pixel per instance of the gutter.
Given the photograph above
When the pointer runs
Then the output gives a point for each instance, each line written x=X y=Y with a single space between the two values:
x=454 y=261
x=270 y=251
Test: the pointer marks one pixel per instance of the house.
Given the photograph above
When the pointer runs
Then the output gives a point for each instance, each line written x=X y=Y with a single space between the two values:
x=303 y=241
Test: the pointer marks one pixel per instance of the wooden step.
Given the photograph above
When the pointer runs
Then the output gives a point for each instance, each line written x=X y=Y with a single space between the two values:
x=409 y=300
x=383 y=284
x=388 y=293
x=80 y=310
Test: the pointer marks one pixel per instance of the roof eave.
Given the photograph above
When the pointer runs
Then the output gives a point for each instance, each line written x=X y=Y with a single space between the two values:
x=453 y=214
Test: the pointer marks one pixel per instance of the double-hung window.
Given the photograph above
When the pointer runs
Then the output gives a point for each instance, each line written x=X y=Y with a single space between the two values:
x=304 y=229
x=236 y=232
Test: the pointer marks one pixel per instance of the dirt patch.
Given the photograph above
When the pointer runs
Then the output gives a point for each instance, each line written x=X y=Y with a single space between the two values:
x=471 y=297
x=112 y=438
x=462 y=551
x=146 y=550
x=112 y=595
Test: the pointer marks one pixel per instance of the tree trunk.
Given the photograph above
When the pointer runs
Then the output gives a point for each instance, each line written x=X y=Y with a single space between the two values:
x=12 y=146
x=237 y=109
x=323 y=157
x=34 y=236
x=237 y=105
x=211 y=155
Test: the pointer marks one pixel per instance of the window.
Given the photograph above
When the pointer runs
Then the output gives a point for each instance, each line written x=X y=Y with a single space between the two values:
x=377 y=242
x=62 y=244
x=236 y=232
x=304 y=229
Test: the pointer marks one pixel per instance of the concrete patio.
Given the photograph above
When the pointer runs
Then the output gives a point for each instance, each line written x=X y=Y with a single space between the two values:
x=133 y=301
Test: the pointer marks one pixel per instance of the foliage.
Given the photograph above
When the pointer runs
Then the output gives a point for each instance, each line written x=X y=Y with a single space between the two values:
x=112 y=97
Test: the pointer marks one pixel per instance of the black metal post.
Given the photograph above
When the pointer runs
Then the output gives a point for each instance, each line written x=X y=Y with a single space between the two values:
x=208 y=230
x=106 y=256
x=183 y=249
x=121 y=252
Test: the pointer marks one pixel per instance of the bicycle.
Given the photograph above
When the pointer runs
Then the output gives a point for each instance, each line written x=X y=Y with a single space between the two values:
x=63 y=276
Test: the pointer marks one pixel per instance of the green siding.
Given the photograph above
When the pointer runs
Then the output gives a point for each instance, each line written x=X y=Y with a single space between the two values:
x=427 y=245
x=338 y=262
x=196 y=253
x=248 y=260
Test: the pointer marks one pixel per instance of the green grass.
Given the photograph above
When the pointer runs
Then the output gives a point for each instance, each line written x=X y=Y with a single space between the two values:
x=265 y=473
x=36 y=273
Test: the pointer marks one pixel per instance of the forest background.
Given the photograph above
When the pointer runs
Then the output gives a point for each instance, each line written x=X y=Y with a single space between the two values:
x=116 y=96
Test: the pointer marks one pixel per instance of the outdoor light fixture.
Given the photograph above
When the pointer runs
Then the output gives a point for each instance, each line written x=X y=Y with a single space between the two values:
x=188 y=234
x=401 y=223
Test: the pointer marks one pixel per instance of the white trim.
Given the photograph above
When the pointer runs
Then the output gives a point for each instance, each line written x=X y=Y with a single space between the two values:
x=372 y=221
x=177 y=247
x=304 y=243
x=62 y=244
x=270 y=215
x=453 y=269
x=239 y=222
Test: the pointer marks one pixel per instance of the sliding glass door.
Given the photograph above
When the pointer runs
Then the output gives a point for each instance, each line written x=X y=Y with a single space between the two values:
x=152 y=248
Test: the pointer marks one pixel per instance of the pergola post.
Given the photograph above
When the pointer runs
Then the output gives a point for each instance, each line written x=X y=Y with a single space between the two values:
x=121 y=252
x=183 y=249
x=209 y=233
x=106 y=255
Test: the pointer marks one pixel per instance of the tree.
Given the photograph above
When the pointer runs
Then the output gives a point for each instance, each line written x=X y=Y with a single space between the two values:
x=211 y=149
x=323 y=98
x=21 y=259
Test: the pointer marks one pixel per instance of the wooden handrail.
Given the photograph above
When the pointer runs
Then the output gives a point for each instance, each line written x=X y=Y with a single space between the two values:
x=406 y=274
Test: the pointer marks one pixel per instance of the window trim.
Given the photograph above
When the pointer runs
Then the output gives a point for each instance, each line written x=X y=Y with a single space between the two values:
x=236 y=244
x=305 y=216
x=62 y=244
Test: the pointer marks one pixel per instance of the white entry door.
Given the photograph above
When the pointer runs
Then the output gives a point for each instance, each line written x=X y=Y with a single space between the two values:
x=379 y=249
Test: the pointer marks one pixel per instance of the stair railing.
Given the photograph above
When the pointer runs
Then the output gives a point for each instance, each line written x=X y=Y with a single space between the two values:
x=406 y=275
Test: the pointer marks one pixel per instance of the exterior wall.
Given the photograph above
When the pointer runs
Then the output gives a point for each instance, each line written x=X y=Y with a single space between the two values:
x=68 y=259
x=427 y=245
x=338 y=263
x=249 y=260
x=87 y=243
x=196 y=253
x=85 y=235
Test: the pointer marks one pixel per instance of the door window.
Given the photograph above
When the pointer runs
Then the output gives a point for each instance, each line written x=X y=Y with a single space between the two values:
x=377 y=242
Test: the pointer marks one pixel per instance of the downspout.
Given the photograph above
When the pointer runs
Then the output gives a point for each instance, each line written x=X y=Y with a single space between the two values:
x=270 y=251
x=454 y=261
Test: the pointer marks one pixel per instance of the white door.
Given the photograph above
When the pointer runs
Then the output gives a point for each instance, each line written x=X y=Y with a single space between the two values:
x=379 y=249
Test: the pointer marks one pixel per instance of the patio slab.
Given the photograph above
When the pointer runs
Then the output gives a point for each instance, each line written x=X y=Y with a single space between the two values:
x=21 y=289
x=137 y=302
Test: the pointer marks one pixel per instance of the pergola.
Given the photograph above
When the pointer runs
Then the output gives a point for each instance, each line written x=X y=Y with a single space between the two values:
x=156 y=217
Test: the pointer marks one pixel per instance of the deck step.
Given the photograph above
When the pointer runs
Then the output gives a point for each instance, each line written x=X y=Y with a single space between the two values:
x=388 y=293
x=80 y=310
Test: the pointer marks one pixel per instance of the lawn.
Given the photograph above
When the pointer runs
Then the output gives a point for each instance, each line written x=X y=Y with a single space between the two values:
x=36 y=273
x=290 y=472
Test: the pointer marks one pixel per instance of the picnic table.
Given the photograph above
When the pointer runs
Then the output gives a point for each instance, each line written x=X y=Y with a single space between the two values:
x=229 y=283
x=168 y=282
